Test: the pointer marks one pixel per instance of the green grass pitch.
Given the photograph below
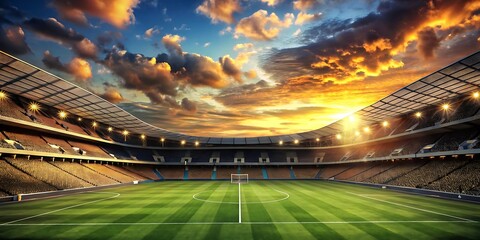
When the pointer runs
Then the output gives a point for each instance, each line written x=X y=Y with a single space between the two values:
x=269 y=210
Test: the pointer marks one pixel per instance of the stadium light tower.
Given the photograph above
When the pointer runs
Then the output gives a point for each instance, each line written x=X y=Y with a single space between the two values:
x=62 y=114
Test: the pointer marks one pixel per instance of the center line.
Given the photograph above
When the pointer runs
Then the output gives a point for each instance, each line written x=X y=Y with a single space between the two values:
x=239 y=204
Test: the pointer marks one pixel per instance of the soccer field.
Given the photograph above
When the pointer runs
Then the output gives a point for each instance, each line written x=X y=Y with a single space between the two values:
x=266 y=210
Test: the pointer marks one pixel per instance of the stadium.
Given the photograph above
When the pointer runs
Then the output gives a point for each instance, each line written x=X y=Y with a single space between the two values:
x=75 y=164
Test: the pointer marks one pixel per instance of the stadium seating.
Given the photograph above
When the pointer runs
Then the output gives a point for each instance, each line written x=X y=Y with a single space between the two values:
x=14 y=181
x=48 y=173
x=172 y=172
x=85 y=173
x=110 y=173
x=278 y=172
x=201 y=172
x=131 y=174
x=305 y=172
x=253 y=172
x=144 y=171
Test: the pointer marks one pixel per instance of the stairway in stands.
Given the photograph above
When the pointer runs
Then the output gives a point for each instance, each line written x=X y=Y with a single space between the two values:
x=264 y=173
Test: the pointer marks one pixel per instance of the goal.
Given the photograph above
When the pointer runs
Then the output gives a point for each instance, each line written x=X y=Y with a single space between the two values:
x=239 y=178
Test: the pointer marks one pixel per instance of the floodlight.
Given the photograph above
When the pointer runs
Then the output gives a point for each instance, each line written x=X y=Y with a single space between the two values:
x=33 y=107
x=62 y=114
x=3 y=95
x=280 y=142
x=125 y=132
x=357 y=133
x=317 y=139
x=94 y=124
x=162 y=140
x=110 y=129
x=418 y=114
x=385 y=124
x=338 y=136
x=197 y=143
x=183 y=142
x=296 y=141
x=142 y=136
x=366 y=129
x=79 y=119
x=445 y=106
x=476 y=95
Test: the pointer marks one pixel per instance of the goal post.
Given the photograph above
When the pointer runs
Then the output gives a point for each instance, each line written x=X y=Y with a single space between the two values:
x=239 y=178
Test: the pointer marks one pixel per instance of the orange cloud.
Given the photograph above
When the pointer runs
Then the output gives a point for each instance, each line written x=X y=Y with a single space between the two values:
x=303 y=18
x=78 y=67
x=112 y=95
x=271 y=2
x=117 y=13
x=262 y=27
x=304 y=5
x=220 y=10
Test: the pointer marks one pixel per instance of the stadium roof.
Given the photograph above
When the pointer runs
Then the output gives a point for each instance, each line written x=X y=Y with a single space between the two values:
x=21 y=78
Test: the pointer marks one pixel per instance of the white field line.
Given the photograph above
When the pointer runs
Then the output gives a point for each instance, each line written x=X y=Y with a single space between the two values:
x=239 y=204
x=61 y=209
x=195 y=196
x=411 y=207
x=228 y=223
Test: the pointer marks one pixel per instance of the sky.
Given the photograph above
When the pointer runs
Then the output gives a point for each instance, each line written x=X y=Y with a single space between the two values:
x=238 y=68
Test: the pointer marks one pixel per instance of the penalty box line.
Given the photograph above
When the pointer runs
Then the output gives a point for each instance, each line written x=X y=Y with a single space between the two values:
x=232 y=223
x=414 y=208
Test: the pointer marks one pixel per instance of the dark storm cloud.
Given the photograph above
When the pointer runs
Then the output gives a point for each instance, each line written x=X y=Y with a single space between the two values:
x=427 y=42
x=53 y=30
x=12 y=40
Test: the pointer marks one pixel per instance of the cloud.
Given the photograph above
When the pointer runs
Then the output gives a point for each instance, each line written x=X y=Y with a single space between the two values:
x=77 y=67
x=427 y=42
x=225 y=31
x=342 y=51
x=262 y=27
x=117 y=13
x=207 y=44
x=231 y=68
x=188 y=105
x=12 y=40
x=112 y=95
x=141 y=73
x=53 y=30
x=304 y=5
x=220 y=10
x=251 y=74
x=271 y=2
x=297 y=32
x=243 y=46
x=303 y=18
x=151 y=31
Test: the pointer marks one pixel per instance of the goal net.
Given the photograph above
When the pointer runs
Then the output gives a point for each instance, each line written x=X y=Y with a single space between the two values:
x=239 y=178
